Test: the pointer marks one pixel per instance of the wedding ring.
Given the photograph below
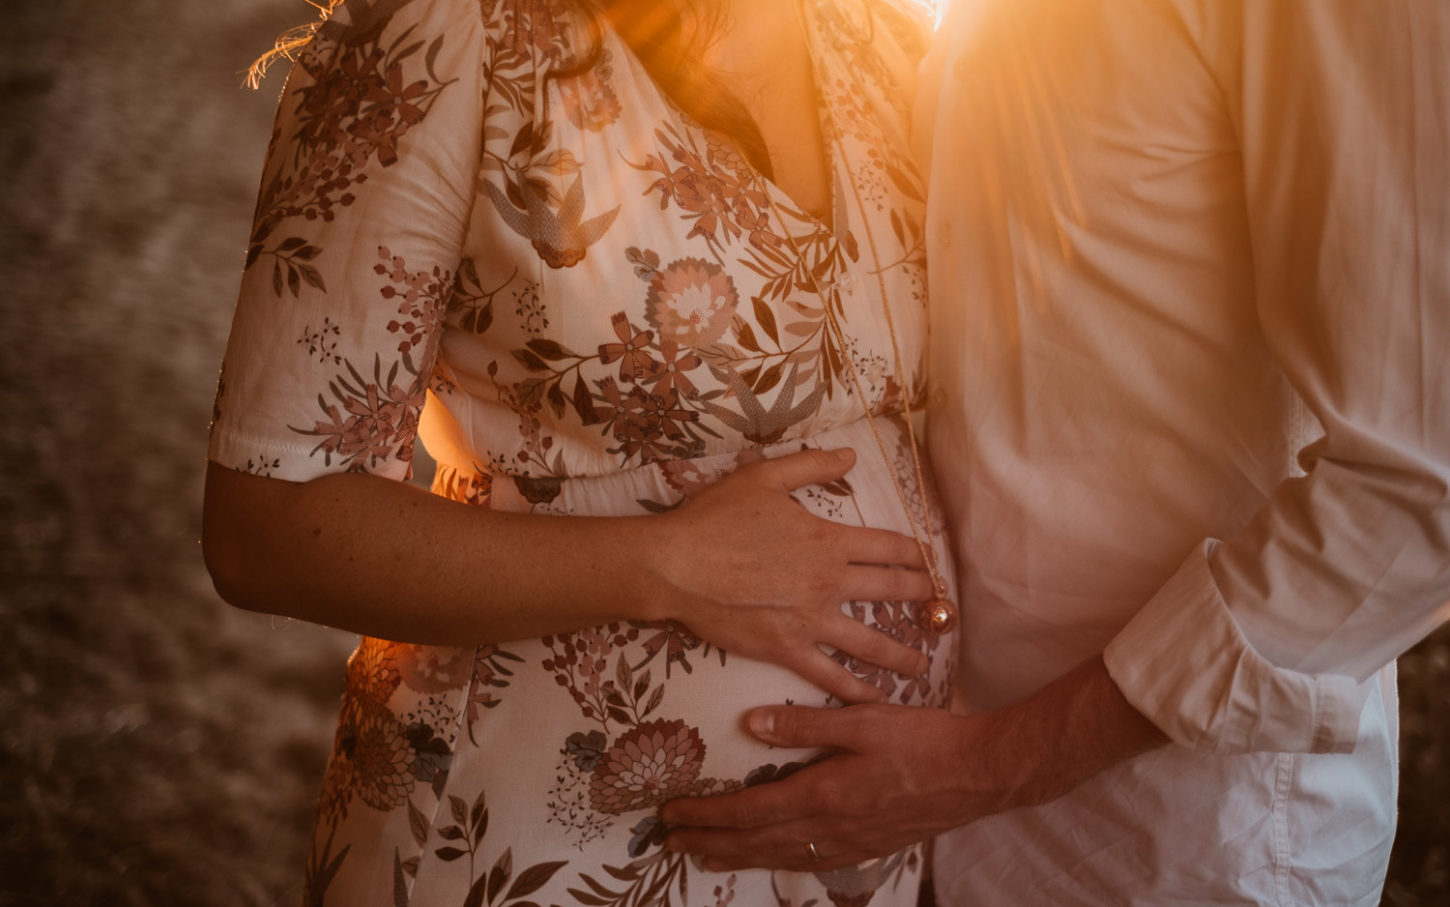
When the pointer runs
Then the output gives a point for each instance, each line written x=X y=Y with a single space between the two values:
x=811 y=849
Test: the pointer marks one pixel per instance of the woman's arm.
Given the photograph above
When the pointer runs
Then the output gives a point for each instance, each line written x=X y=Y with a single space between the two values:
x=741 y=565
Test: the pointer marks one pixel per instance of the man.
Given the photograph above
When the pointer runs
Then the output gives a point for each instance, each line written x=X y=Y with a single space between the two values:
x=1191 y=278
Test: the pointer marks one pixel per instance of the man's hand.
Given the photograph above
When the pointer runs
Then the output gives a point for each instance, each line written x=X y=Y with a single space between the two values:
x=901 y=775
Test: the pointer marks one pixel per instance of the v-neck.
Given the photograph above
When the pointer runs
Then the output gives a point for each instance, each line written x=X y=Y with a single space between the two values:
x=831 y=153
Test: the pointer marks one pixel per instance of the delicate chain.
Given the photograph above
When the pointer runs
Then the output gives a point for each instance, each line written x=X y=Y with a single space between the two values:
x=928 y=553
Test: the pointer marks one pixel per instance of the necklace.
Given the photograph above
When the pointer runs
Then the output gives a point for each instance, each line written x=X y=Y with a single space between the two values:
x=939 y=615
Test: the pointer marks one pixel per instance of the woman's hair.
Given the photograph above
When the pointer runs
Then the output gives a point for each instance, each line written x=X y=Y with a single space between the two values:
x=656 y=33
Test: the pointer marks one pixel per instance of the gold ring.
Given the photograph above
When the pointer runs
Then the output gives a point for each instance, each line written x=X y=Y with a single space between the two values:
x=811 y=849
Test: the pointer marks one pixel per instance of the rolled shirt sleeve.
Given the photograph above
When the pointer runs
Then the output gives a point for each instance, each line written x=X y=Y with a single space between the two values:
x=1263 y=641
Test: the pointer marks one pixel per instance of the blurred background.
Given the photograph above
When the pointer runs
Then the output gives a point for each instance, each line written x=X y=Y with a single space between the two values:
x=156 y=746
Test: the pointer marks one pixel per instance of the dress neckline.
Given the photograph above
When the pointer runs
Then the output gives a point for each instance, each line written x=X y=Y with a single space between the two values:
x=833 y=152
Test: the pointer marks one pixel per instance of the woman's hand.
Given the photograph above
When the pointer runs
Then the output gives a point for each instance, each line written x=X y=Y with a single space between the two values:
x=748 y=569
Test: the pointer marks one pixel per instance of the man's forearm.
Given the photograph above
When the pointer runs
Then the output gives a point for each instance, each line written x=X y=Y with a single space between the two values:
x=901 y=775
x=1070 y=730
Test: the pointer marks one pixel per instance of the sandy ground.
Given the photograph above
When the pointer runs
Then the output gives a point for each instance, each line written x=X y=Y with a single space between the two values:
x=157 y=747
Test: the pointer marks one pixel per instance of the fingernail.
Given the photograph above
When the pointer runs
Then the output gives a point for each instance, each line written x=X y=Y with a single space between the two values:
x=761 y=723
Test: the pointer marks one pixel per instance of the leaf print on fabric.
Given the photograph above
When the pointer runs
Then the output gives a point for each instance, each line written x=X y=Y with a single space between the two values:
x=372 y=421
x=531 y=29
x=322 y=867
x=470 y=306
x=722 y=199
x=660 y=879
x=474 y=486
x=361 y=96
x=559 y=236
x=579 y=662
x=489 y=674
x=322 y=342
x=465 y=838
x=647 y=426
x=758 y=424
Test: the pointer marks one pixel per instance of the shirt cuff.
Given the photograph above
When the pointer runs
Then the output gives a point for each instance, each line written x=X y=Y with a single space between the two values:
x=1185 y=664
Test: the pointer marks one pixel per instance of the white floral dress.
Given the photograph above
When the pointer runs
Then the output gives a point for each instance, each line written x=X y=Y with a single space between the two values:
x=605 y=310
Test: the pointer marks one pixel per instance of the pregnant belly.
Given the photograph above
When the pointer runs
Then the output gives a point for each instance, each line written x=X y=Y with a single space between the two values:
x=583 y=729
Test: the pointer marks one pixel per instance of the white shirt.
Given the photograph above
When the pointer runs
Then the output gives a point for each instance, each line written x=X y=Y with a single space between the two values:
x=1190 y=272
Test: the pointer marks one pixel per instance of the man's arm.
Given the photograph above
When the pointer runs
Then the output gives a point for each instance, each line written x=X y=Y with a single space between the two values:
x=902 y=775
x=1261 y=642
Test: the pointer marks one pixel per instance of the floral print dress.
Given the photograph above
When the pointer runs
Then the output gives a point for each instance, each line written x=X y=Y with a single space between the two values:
x=605 y=310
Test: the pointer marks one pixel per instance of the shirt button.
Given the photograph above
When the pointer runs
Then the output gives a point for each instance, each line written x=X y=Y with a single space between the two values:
x=943 y=236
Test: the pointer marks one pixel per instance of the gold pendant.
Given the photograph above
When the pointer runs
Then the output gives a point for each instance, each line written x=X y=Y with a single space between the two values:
x=939 y=616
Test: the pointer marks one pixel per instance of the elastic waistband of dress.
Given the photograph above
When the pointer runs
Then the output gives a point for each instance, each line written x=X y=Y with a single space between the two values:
x=648 y=481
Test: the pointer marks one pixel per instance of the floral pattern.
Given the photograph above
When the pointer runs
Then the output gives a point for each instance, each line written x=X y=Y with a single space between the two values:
x=584 y=304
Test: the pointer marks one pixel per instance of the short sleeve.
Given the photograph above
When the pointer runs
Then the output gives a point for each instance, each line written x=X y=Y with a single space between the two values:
x=358 y=231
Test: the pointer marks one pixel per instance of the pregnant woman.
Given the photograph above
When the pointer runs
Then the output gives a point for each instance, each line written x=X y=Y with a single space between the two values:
x=656 y=268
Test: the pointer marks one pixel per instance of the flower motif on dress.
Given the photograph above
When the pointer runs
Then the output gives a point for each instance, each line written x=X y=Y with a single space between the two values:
x=647 y=426
x=371 y=755
x=902 y=622
x=372 y=759
x=531 y=28
x=590 y=102
x=433 y=669
x=579 y=662
x=723 y=199
x=422 y=298
x=359 y=102
x=691 y=302
x=690 y=477
x=648 y=764
x=375 y=421
x=372 y=672
x=632 y=351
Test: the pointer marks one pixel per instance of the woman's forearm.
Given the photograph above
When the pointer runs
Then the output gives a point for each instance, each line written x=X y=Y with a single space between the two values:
x=387 y=559
x=741 y=565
